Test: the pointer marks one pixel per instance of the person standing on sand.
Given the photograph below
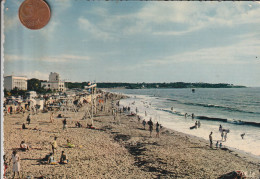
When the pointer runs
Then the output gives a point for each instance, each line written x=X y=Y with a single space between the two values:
x=64 y=124
x=157 y=129
x=198 y=124
x=16 y=163
x=54 y=145
x=52 y=117
x=222 y=135
x=150 y=123
x=225 y=136
x=210 y=139
x=28 y=119
x=144 y=123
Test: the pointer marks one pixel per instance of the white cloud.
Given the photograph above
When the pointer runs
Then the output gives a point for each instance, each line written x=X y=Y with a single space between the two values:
x=243 y=52
x=94 y=30
x=36 y=74
x=58 y=58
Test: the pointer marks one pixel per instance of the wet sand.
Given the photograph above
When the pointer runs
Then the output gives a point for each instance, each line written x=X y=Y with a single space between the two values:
x=116 y=149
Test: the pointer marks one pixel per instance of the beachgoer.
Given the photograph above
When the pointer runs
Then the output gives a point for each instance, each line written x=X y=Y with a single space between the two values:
x=225 y=136
x=150 y=123
x=51 y=159
x=210 y=139
x=16 y=163
x=144 y=123
x=52 y=117
x=198 y=124
x=28 y=119
x=217 y=144
x=220 y=128
x=222 y=135
x=171 y=108
x=69 y=144
x=24 y=146
x=185 y=115
x=157 y=129
x=63 y=158
x=136 y=110
x=192 y=115
x=54 y=145
x=64 y=124
x=23 y=126
x=78 y=124
x=242 y=135
x=220 y=145
x=5 y=164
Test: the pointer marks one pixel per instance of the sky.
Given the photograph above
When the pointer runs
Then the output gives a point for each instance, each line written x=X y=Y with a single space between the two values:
x=212 y=42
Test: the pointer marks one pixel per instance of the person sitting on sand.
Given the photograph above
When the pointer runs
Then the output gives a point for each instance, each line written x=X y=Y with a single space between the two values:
x=78 y=124
x=144 y=123
x=63 y=158
x=23 y=126
x=69 y=144
x=51 y=159
x=24 y=146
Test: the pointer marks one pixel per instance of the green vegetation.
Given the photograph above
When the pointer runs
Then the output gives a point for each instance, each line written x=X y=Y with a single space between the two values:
x=154 y=85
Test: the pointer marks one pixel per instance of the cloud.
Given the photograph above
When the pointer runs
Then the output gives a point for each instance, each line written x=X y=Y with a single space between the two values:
x=36 y=74
x=58 y=58
x=241 y=53
x=94 y=30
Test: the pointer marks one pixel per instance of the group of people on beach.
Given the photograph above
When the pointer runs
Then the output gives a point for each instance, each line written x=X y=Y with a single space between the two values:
x=150 y=124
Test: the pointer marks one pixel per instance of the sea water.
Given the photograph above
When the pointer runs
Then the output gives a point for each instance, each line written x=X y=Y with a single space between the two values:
x=236 y=109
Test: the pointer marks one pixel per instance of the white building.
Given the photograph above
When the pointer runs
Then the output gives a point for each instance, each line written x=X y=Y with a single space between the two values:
x=54 y=83
x=10 y=82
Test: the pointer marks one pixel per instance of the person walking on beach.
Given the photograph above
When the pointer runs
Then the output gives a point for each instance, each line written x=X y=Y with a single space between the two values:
x=64 y=124
x=225 y=136
x=144 y=123
x=16 y=163
x=222 y=135
x=150 y=123
x=210 y=139
x=192 y=115
x=157 y=129
x=28 y=119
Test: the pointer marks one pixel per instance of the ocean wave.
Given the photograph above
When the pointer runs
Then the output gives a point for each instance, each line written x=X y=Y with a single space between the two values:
x=233 y=121
x=226 y=108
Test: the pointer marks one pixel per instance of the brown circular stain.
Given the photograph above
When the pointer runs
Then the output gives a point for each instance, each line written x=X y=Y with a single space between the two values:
x=34 y=14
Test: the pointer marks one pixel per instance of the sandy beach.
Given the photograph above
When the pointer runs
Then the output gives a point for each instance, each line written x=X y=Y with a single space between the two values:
x=117 y=148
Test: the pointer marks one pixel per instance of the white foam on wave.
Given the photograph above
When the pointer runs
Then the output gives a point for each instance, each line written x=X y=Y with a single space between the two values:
x=250 y=143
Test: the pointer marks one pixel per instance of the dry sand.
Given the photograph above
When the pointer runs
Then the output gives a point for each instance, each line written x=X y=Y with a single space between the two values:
x=119 y=149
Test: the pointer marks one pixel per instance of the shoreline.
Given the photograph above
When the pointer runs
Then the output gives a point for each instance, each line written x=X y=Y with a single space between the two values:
x=257 y=157
x=118 y=148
